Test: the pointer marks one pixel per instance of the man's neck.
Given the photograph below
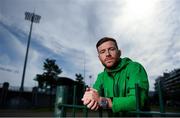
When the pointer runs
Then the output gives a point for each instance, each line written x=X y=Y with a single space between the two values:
x=113 y=67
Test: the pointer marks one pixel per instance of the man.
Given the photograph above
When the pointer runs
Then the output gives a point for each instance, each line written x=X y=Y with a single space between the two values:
x=115 y=86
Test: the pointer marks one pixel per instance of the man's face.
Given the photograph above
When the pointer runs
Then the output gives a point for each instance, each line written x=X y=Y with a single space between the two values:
x=108 y=54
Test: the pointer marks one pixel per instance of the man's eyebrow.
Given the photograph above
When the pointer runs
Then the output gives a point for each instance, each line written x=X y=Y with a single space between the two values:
x=102 y=49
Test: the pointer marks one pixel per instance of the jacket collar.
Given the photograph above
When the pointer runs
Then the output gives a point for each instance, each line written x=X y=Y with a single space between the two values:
x=122 y=62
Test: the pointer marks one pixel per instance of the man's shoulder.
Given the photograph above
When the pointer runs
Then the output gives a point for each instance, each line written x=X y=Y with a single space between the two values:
x=101 y=73
x=134 y=63
x=129 y=62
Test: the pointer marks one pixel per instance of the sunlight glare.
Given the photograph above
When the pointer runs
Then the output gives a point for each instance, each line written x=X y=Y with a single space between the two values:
x=139 y=8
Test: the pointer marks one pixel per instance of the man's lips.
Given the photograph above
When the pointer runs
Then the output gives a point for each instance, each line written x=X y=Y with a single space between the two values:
x=108 y=59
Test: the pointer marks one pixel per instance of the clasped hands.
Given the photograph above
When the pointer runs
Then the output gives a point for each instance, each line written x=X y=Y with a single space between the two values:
x=91 y=99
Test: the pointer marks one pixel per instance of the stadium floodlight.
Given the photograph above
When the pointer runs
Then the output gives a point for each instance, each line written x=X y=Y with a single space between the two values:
x=34 y=18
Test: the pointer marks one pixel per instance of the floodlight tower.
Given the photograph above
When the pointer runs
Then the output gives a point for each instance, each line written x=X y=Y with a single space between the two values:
x=34 y=19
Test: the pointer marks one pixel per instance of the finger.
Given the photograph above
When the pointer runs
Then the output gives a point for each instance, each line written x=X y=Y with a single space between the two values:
x=88 y=89
x=82 y=99
x=94 y=106
x=86 y=101
x=91 y=95
x=97 y=107
x=86 y=94
x=91 y=104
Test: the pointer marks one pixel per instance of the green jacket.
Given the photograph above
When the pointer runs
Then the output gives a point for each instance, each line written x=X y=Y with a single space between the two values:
x=119 y=83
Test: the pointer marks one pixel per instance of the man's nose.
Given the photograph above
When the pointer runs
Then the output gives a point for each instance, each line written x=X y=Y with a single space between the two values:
x=107 y=53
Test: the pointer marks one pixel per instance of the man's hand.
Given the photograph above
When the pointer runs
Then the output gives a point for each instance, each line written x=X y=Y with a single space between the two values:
x=91 y=98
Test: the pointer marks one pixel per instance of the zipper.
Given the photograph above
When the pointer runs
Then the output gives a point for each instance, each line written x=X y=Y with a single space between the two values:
x=111 y=75
x=114 y=87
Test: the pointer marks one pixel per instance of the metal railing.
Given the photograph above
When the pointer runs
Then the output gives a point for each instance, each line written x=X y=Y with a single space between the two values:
x=161 y=111
x=61 y=108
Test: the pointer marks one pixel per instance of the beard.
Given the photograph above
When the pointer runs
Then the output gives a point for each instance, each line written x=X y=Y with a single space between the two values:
x=113 y=66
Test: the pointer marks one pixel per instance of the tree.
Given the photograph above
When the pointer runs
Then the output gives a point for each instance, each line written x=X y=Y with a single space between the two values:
x=48 y=79
x=50 y=74
x=40 y=80
x=79 y=78
x=80 y=88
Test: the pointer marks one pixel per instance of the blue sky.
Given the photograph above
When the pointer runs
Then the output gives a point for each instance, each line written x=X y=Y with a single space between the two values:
x=147 y=31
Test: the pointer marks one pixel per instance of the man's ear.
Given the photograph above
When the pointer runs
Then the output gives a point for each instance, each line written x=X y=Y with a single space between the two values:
x=119 y=52
x=98 y=56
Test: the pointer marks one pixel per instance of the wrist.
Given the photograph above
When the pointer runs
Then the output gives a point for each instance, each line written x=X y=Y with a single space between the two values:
x=105 y=102
x=110 y=101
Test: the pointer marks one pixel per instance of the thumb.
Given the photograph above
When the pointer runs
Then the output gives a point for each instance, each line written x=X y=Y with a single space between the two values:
x=92 y=89
x=88 y=89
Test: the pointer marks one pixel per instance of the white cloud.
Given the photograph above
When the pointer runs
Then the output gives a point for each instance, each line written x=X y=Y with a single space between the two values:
x=147 y=31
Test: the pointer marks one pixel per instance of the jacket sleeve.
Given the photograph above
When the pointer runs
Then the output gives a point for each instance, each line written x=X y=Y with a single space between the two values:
x=98 y=85
x=136 y=74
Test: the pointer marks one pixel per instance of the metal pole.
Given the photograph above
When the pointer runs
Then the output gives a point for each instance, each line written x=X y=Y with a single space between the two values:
x=33 y=18
x=26 y=57
x=161 y=100
x=74 y=99
x=84 y=65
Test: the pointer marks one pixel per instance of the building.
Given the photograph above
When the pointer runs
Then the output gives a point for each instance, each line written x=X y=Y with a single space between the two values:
x=170 y=85
x=10 y=97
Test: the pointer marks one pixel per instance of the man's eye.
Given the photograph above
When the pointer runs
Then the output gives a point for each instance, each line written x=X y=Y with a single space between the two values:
x=101 y=52
x=112 y=49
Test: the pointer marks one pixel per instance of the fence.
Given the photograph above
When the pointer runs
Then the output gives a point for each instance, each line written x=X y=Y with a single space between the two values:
x=61 y=106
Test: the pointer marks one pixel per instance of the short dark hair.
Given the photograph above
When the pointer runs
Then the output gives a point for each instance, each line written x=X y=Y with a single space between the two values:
x=104 y=39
